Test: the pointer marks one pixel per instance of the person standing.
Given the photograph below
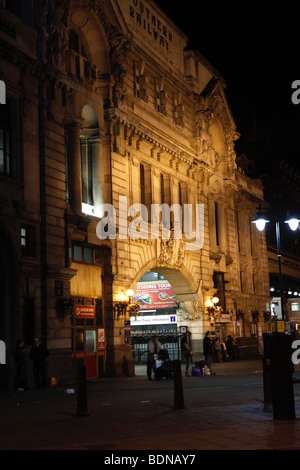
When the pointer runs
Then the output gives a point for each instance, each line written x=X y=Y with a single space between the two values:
x=19 y=358
x=187 y=352
x=218 y=349
x=235 y=347
x=38 y=355
x=207 y=350
x=154 y=347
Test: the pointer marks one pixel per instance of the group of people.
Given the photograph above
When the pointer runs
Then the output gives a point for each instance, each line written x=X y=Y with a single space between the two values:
x=38 y=355
x=210 y=346
x=155 y=348
x=230 y=351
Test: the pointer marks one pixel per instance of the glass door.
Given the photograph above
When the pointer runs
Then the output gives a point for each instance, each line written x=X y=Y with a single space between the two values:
x=91 y=353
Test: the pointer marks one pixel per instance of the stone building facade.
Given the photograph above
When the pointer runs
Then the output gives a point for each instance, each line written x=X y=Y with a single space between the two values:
x=105 y=104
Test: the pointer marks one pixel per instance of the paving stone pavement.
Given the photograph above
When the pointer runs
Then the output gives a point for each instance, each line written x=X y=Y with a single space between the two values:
x=220 y=412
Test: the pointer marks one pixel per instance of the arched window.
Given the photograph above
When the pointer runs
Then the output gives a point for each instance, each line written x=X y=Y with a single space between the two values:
x=145 y=189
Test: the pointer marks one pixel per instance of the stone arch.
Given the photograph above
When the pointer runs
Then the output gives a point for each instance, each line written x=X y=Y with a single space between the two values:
x=86 y=24
x=189 y=297
x=185 y=286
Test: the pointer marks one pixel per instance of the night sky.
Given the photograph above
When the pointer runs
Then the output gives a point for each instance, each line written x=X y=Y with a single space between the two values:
x=255 y=46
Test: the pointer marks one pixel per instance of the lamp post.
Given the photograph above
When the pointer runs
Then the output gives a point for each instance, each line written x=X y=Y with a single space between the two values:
x=260 y=221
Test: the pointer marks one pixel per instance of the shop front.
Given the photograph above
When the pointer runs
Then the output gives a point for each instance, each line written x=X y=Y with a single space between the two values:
x=89 y=336
x=225 y=326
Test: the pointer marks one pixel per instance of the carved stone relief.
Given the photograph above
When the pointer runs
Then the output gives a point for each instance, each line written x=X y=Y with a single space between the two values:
x=171 y=252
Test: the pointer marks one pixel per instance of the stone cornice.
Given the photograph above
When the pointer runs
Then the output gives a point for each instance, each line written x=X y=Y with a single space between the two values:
x=140 y=130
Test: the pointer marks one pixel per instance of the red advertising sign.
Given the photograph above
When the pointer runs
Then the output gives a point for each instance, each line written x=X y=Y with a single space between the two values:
x=84 y=311
x=154 y=295
x=101 y=341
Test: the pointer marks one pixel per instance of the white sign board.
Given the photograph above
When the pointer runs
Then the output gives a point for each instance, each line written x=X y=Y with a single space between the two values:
x=144 y=320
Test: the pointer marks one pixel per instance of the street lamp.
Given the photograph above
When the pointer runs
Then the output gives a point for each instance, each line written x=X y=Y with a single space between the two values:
x=260 y=221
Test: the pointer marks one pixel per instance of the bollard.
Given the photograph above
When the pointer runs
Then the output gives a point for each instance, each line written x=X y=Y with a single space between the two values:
x=178 y=390
x=282 y=377
x=81 y=391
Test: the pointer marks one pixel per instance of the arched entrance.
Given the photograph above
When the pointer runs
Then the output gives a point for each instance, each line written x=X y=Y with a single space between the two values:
x=169 y=308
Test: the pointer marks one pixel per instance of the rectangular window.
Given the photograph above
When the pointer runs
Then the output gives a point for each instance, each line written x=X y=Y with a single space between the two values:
x=162 y=189
x=77 y=253
x=216 y=224
x=162 y=102
x=295 y=307
x=67 y=164
x=142 y=184
x=243 y=281
x=254 y=283
x=28 y=242
x=85 y=254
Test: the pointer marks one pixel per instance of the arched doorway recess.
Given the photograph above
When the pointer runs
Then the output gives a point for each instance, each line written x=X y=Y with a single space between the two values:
x=169 y=307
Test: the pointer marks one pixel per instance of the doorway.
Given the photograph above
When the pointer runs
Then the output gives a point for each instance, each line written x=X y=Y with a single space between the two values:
x=89 y=336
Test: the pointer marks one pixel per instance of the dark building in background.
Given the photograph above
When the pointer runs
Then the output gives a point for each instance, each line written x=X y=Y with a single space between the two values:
x=280 y=177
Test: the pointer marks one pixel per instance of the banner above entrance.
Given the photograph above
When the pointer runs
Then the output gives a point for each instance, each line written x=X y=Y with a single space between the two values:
x=84 y=311
x=154 y=295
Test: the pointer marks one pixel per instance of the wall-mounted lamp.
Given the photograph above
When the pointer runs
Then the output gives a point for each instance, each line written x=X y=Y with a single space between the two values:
x=215 y=300
x=130 y=294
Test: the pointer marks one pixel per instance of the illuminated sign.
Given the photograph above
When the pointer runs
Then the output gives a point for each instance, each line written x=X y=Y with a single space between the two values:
x=2 y=353
x=154 y=295
x=153 y=320
x=2 y=92
x=101 y=341
x=84 y=311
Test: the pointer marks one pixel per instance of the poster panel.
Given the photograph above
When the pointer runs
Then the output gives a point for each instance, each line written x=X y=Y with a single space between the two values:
x=154 y=295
